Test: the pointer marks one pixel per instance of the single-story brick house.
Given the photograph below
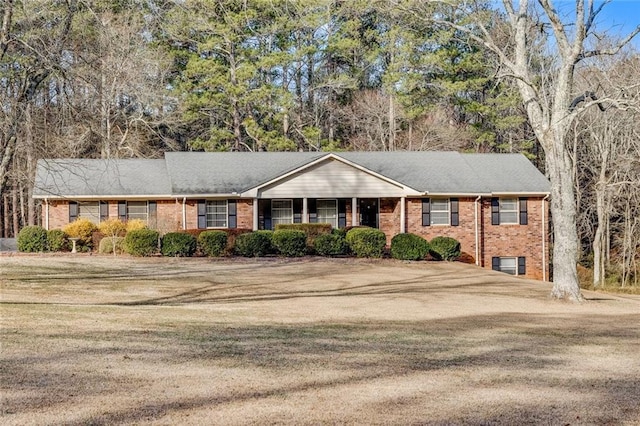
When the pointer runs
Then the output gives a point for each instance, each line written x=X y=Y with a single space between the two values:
x=494 y=204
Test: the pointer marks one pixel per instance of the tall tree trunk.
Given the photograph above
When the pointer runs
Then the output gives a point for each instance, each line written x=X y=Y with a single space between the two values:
x=15 y=210
x=563 y=211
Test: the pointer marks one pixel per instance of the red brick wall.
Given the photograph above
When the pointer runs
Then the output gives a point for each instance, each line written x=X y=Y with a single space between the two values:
x=58 y=214
x=516 y=240
x=495 y=240
x=464 y=232
x=389 y=217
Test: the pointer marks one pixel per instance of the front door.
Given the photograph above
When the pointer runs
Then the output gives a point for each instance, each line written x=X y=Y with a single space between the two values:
x=368 y=212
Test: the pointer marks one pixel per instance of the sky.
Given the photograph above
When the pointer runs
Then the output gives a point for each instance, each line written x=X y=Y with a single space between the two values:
x=621 y=16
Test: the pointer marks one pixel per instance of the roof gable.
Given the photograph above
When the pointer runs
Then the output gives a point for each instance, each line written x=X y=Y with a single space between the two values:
x=331 y=176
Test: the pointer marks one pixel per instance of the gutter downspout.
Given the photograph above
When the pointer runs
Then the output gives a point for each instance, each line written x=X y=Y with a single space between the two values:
x=544 y=239
x=46 y=214
x=477 y=233
x=184 y=213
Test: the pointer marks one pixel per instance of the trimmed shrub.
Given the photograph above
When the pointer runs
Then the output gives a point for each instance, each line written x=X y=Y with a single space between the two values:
x=83 y=230
x=290 y=242
x=311 y=230
x=331 y=245
x=409 y=247
x=135 y=224
x=340 y=231
x=212 y=243
x=57 y=240
x=109 y=245
x=178 y=244
x=32 y=239
x=366 y=242
x=254 y=244
x=444 y=248
x=141 y=242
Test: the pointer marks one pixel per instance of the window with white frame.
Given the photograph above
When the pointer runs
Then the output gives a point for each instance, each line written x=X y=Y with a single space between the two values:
x=509 y=211
x=440 y=211
x=217 y=213
x=328 y=212
x=138 y=210
x=509 y=265
x=281 y=212
x=89 y=210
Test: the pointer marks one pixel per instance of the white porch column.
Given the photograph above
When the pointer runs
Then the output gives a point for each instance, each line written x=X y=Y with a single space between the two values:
x=255 y=214
x=305 y=212
x=354 y=211
x=46 y=214
x=403 y=214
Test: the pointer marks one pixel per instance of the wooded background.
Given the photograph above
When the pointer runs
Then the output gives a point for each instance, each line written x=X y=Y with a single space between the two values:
x=136 y=78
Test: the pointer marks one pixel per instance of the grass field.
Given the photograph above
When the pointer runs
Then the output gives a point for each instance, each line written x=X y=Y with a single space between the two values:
x=97 y=340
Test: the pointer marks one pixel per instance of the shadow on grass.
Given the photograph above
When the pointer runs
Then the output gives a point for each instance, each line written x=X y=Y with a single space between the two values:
x=528 y=351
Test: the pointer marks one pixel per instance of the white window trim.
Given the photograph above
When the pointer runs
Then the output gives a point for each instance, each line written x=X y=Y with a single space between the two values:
x=335 y=225
x=501 y=210
x=273 y=219
x=85 y=203
x=515 y=260
x=146 y=219
x=448 y=200
x=226 y=214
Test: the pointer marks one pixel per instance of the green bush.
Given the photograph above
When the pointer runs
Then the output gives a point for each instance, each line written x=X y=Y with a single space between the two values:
x=178 y=244
x=32 y=239
x=141 y=242
x=212 y=243
x=409 y=247
x=290 y=242
x=366 y=242
x=444 y=248
x=340 y=231
x=107 y=245
x=254 y=244
x=57 y=240
x=311 y=230
x=331 y=245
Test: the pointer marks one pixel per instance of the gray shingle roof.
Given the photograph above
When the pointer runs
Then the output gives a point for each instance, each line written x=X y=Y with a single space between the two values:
x=198 y=173
x=90 y=178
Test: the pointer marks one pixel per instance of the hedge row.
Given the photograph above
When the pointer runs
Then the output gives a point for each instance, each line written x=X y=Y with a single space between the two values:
x=288 y=240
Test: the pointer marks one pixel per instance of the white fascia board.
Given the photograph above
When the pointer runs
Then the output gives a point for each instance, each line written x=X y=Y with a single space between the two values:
x=253 y=192
x=519 y=193
x=104 y=197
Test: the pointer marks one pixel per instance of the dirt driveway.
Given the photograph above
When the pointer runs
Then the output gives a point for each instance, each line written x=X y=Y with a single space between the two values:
x=98 y=340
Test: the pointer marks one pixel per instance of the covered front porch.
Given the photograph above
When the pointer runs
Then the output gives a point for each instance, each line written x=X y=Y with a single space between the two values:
x=387 y=214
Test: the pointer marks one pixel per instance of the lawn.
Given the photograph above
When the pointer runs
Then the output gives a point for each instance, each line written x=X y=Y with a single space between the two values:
x=98 y=340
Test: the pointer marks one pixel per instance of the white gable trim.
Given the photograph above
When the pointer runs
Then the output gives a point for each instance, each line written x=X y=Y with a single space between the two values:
x=255 y=191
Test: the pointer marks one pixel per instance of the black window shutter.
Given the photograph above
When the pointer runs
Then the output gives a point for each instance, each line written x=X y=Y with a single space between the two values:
x=202 y=214
x=122 y=210
x=522 y=266
x=342 y=213
x=495 y=263
x=312 y=209
x=523 y=211
x=73 y=211
x=266 y=212
x=104 y=210
x=426 y=212
x=153 y=214
x=232 y=208
x=455 y=215
x=297 y=210
x=495 y=211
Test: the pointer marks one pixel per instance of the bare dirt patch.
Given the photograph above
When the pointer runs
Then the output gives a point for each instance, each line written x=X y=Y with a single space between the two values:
x=97 y=340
